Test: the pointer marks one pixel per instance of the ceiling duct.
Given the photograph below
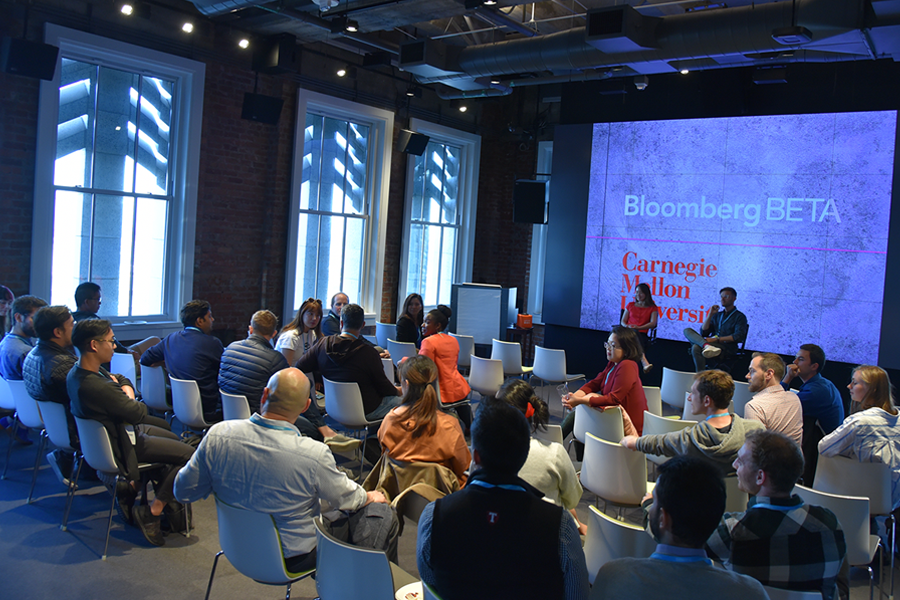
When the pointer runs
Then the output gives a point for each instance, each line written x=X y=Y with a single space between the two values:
x=429 y=58
x=620 y=29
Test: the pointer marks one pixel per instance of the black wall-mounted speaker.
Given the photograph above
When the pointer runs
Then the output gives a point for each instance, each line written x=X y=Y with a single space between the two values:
x=412 y=142
x=28 y=59
x=265 y=109
x=530 y=202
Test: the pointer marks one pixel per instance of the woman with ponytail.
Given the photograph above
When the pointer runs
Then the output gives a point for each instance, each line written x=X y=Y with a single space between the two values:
x=416 y=431
x=548 y=467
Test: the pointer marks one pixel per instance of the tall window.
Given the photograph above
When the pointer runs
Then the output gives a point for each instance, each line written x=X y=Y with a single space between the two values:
x=440 y=209
x=340 y=178
x=116 y=178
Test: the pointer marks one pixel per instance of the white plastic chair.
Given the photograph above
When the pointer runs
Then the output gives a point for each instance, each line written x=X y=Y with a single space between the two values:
x=780 y=594
x=735 y=498
x=401 y=350
x=655 y=425
x=372 y=339
x=123 y=364
x=553 y=433
x=234 y=406
x=613 y=472
x=687 y=414
x=27 y=415
x=56 y=427
x=251 y=542
x=153 y=389
x=608 y=539
x=607 y=424
x=741 y=397
x=344 y=571
x=388 y=368
x=187 y=404
x=466 y=350
x=511 y=355
x=485 y=375
x=429 y=593
x=674 y=386
x=385 y=332
x=654 y=400
x=343 y=403
x=550 y=366
x=852 y=513
x=6 y=397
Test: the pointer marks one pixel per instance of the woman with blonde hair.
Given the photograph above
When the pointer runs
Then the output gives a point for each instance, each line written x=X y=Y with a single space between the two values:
x=416 y=431
x=301 y=334
x=870 y=433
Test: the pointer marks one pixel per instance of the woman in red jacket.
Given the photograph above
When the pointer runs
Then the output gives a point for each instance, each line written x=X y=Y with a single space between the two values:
x=618 y=384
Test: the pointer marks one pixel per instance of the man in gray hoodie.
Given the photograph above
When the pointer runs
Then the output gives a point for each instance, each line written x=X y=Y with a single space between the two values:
x=716 y=439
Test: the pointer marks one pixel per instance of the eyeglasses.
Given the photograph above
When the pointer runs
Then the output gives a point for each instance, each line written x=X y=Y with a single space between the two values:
x=610 y=345
x=112 y=341
x=313 y=300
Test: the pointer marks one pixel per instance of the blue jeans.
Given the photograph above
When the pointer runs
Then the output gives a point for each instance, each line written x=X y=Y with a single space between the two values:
x=387 y=403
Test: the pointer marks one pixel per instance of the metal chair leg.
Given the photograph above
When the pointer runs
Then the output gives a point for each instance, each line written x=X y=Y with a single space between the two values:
x=362 y=456
x=287 y=595
x=70 y=493
x=112 y=507
x=37 y=462
x=213 y=573
x=12 y=433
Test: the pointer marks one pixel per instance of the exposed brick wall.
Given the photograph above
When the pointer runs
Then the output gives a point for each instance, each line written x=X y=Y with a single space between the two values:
x=391 y=294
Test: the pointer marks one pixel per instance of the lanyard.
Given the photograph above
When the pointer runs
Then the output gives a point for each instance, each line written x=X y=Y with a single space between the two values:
x=504 y=486
x=192 y=328
x=256 y=419
x=608 y=375
x=714 y=415
x=722 y=321
x=681 y=559
x=778 y=508
x=355 y=337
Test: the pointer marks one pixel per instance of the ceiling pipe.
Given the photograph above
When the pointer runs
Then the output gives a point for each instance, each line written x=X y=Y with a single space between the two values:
x=363 y=38
x=495 y=17
x=469 y=94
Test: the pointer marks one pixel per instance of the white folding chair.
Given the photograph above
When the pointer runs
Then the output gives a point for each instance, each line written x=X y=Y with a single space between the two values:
x=614 y=473
x=510 y=353
x=466 y=350
x=608 y=539
x=675 y=384
x=385 y=332
x=852 y=513
x=153 y=390
x=401 y=350
x=344 y=571
x=123 y=364
x=27 y=415
x=607 y=424
x=344 y=404
x=234 y=406
x=550 y=367
x=187 y=404
x=372 y=339
x=735 y=498
x=485 y=375
x=655 y=425
x=251 y=542
x=553 y=433
x=654 y=400
x=6 y=397
x=780 y=594
x=388 y=368
x=741 y=397
x=56 y=426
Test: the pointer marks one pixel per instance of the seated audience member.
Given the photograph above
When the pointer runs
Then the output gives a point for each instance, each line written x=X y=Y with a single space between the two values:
x=45 y=371
x=346 y=358
x=548 y=467
x=331 y=323
x=409 y=323
x=193 y=354
x=688 y=501
x=15 y=347
x=6 y=300
x=641 y=315
x=299 y=335
x=823 y=409
x=88 y=298
x=109 y=399
x=496 y=538
x=771 y=405
x=20 y=340
x=416 y=431
x=721 y=331
x=443 y=349
x=717 y=439
x=870 y=433
x=618 y=384
x=263 y=464
x=779 y=540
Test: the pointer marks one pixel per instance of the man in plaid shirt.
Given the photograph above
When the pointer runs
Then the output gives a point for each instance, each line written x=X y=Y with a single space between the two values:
x=779 y=540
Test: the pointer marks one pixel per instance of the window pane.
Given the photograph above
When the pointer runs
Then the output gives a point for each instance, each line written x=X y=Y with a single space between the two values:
x=149 y=257
x=354 y=253
x=71 y=241
x=414 y=282
x=154 y=99
x=448 y=259
x=451 y=185
x=312 y=162
x=432 y=264
x=115 y=131
x=75 y=125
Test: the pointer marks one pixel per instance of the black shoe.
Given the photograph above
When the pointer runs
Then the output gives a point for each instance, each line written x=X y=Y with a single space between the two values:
x=177 y=516
x=125 y=495
x=150 y=525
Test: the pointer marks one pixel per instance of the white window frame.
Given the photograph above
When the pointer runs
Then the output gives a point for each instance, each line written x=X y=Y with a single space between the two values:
x=539 y=243
x=469 y=165
x=381 y=130
x=182 y=217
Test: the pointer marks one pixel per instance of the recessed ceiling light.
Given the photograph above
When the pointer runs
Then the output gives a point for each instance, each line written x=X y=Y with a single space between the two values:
x=463 y=108
x=118 y=128
x=490 y=2
x=127 y=10
x=341 y=72
x=187 y=27
x=244 y=43
x=352 y=26
x=685 y=71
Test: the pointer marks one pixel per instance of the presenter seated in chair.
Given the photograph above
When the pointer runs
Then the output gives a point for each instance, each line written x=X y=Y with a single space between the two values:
x=642 y=315
x=264 y=464
x=721 y=332
x=409 y=323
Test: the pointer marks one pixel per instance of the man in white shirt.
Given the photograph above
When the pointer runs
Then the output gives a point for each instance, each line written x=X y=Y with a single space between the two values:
x=771 y=405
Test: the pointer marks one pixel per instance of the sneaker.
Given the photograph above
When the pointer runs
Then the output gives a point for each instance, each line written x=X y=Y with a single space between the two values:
x=150 y=525
x=53 y=459
x=125 y=495
x=342 y=443
x=710 y=351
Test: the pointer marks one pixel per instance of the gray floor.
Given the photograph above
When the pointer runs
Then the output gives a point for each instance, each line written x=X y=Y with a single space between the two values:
x=41 y=561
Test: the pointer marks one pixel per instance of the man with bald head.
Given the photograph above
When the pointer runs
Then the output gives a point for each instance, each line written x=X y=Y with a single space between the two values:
x=264 y=464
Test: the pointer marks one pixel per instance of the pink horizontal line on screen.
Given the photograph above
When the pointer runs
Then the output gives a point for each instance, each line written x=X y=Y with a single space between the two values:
x=604 y=237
